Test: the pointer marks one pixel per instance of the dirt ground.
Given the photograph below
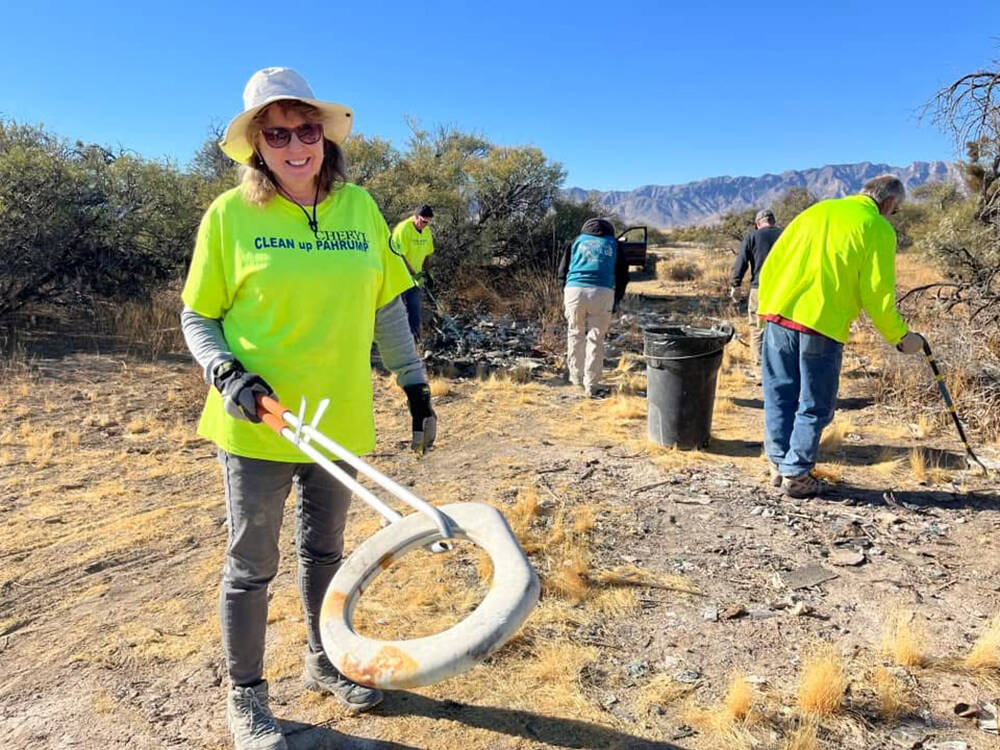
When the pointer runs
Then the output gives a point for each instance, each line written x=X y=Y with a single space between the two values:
x=666 y=574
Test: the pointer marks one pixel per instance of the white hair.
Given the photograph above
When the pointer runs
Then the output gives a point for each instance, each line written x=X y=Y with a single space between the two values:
x=884 y=186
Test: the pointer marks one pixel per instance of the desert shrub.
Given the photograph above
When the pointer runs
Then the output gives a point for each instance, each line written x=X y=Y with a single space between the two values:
x=79 y=220
x=682 y=270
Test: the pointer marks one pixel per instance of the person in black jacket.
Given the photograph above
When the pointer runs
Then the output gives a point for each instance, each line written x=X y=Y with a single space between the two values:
x=753 y=253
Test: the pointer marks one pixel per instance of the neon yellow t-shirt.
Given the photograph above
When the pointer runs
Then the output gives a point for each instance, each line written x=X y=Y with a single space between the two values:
x=297 y=308
x=416 y=246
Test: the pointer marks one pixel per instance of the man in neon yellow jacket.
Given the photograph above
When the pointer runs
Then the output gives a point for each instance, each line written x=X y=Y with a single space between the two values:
x=833 y=260
x=413 y=241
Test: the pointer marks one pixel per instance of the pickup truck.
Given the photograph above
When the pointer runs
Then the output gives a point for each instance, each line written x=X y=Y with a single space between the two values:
x=632 y=242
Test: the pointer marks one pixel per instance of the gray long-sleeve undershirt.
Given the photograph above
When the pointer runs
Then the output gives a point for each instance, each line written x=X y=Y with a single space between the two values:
x=207 y=343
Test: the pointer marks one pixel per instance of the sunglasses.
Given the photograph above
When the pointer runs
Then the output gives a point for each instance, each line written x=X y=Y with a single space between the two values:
x=309 y=134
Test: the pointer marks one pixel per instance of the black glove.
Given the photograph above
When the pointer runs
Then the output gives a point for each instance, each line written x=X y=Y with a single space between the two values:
x=424 y=418
x=239 y=389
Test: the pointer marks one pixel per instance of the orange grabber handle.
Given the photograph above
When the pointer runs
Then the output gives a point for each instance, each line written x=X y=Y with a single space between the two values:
x=270 y=412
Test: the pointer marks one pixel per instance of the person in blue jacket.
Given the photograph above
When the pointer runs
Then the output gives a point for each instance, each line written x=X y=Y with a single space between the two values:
x=594 y=276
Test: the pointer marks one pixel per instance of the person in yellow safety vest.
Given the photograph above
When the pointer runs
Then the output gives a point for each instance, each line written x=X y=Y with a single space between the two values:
x=412 y=239
x=833 y=260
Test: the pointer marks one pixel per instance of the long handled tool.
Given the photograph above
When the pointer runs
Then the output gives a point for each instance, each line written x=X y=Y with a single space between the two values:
x=951 y=406
x=294 y=429
x=410 y=662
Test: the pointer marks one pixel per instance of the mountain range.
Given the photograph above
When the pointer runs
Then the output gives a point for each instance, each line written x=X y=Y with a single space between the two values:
x=705 y=201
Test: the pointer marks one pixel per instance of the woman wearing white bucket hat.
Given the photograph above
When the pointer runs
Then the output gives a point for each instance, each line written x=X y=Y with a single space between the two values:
x=292 y=277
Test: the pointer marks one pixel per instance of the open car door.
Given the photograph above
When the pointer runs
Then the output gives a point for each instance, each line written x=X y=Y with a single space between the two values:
x=632 y=242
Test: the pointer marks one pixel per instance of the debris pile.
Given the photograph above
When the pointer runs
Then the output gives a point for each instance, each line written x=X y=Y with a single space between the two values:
x=475 y=345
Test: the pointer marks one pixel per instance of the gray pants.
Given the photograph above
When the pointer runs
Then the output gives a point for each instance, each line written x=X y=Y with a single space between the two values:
x=255 y=498
x=588 y=317
x=756 y=327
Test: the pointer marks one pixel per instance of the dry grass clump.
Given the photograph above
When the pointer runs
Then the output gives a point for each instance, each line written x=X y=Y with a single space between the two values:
x=550 y=679
x=629 y=377
x=569 y=579
x=888 y=464
x=662 y=690
x=521 y=374
x=523 y=514
x=663 y=264
x=833 y=435
x=496 y=382
x=734 y=354
x=832 y=473
x=627 y=407
x=584 y=520
x=613 y=602
x=627 y=362
x=440 y=387
x=890 y=692
x=681 y=270
x=985 y=653
x=724 y=405
x=40 y=447
x=903 y=639
x=726 y=721
x=803 y=738
x=631 y=384
x=739 y=698
x=822 y=682
x=925 y=426
x=918 y=464
x=719 y=271
x=926 y=467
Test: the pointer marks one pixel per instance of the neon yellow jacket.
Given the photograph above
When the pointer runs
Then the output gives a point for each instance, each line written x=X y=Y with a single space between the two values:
x=833 y=260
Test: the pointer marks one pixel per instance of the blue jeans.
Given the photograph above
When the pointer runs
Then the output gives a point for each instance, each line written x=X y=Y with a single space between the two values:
x=801 y=372
x=411 y=298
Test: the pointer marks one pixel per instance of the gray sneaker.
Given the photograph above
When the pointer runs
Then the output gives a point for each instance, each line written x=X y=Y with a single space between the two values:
x=803 y=486
x=250 y=719
x=323 y=677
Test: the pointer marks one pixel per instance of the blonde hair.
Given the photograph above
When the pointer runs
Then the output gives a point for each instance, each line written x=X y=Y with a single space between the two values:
x=256 y=179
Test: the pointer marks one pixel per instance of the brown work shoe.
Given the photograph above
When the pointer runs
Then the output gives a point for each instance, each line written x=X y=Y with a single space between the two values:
x=803 y=486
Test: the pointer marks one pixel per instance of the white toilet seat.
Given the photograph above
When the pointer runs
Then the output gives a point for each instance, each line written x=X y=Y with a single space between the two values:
x=423 y=661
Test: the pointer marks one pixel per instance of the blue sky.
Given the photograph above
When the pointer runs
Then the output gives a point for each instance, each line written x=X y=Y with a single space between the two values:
x=623 y=94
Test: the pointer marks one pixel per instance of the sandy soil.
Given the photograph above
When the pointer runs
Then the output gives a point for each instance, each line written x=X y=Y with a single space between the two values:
x=664 y=573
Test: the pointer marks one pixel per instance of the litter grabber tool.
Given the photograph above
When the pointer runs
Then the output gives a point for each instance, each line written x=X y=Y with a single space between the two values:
x=398 y=664
x=929 y=356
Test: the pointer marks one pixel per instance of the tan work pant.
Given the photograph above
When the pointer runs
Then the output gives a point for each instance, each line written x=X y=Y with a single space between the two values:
x=756 y=327
x=588 y=317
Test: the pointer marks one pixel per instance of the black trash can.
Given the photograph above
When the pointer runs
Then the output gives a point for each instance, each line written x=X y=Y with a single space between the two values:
x=682 y=365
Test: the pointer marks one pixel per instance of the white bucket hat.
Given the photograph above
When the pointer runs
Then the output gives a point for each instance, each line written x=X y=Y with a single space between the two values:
x=271 y=85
